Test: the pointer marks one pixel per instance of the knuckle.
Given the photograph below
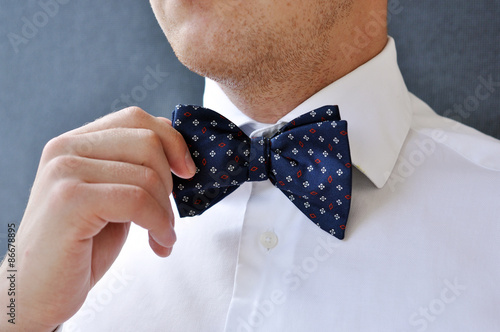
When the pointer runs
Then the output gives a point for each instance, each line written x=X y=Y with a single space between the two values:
x=64 y=192
x=150 y=138
x=135 y=113
x=151 y=179
x=63 y=165
x=55 y=146
x=139 y=196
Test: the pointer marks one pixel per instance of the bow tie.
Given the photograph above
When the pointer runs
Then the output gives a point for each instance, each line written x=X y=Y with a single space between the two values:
x=308 y=160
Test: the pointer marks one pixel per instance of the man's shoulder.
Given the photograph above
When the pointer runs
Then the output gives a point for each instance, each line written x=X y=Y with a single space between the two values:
x=469 y=143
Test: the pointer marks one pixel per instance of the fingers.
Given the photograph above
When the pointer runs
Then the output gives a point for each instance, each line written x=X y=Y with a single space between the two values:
x=98 y=204
x=173 y=144
x=133 y=146
x=159 y=249
x=98 y=188
x=167 y=121
x=116 y=172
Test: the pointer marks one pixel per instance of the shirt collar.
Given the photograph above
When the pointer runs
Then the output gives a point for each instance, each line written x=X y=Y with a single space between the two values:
x=374 y=101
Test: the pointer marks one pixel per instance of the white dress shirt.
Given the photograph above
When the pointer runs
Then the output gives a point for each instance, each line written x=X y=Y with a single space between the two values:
x=422 y=245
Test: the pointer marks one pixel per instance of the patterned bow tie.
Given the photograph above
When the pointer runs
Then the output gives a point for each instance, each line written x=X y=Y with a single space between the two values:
x=308 y=160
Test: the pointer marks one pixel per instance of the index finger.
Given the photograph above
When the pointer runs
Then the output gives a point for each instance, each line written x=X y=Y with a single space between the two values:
x=174 y=146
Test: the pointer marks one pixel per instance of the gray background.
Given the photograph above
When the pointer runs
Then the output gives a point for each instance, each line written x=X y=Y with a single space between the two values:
x=79 y=60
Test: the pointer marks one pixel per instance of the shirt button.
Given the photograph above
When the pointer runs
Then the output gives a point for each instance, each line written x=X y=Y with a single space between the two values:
x=269 y=240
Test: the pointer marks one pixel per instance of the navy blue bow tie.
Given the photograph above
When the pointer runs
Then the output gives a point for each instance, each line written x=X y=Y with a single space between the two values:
x=308 y=160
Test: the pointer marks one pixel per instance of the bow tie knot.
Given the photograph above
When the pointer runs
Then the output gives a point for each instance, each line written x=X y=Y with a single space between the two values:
x=259 y=159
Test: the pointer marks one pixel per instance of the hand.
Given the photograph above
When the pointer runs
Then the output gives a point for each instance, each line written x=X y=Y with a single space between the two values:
x=91 y=183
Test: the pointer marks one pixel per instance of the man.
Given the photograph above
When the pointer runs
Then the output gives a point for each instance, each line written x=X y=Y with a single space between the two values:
x=420 y=251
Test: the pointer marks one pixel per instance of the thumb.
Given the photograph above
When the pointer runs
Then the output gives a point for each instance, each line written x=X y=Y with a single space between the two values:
x=177 y=152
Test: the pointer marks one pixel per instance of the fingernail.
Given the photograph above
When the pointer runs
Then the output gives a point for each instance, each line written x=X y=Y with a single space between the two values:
x=173 y=235
x=168 y=251
x=171 y=230
x=190 y=163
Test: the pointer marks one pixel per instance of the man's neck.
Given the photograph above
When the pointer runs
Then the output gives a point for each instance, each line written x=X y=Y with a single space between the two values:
x=267 y=103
